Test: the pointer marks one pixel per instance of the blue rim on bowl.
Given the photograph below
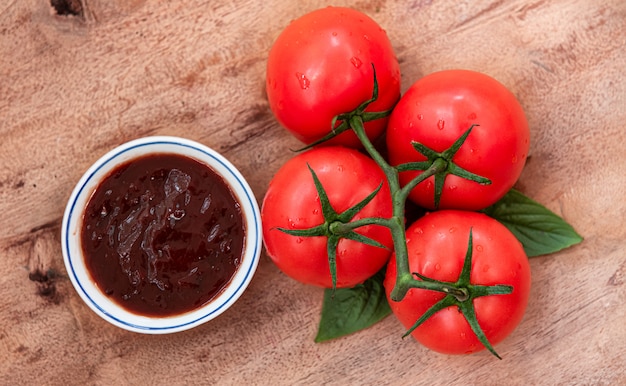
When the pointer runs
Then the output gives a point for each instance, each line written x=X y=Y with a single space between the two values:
x=72 y=222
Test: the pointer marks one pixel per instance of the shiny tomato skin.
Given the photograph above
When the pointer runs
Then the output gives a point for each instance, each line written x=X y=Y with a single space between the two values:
x=292 y=202
x=320 y=66
x=436 y=110
x=437 y=244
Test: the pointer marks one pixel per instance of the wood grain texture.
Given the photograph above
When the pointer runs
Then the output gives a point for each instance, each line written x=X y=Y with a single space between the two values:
x=74 y=86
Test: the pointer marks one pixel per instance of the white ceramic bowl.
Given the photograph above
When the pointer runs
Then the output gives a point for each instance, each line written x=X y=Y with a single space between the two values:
x=72 y=223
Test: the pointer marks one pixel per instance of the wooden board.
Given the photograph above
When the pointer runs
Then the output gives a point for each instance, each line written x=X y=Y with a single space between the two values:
x=74 y=86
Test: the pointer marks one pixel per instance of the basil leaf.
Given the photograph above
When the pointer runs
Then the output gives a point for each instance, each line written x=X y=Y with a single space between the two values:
x=348 y=310
x=538 y=229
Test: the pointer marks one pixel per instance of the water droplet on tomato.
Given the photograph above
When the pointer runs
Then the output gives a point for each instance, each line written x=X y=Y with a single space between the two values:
x=437 y=267
x=514 y=159
x=479 y=248
x=356 y=62
x=419 y=231
x=420 y=116
x=299 y=240
x=340 y=168
x=471 y=116
x=304 y=81
x=441 y=124
x=452 y=187
x=462 y=335
x=452 y=230
x=486 y=268
x=334 y=33
x=316 y=211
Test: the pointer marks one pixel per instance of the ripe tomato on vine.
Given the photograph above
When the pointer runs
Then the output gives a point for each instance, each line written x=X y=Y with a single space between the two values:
x=437 y=110
x=321 y=66
x=305 y=231
x=472 y=313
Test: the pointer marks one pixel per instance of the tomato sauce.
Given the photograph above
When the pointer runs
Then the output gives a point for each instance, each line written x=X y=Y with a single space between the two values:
x=162 y=235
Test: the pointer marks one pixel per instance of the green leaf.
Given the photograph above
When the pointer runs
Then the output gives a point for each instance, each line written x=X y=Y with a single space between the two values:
x=540 y=231
x=348 y=310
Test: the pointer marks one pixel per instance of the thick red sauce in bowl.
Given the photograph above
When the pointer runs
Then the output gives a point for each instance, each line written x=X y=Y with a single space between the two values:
x=162 y=235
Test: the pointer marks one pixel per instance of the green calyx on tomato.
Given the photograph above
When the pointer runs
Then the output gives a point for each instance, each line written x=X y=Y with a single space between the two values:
x=337 y=225
x=443 y=164
x=359 y=112
x=460 y=294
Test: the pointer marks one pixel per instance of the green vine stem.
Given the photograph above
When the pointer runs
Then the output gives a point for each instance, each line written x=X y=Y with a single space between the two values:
x=339 y=225
x=461 y=293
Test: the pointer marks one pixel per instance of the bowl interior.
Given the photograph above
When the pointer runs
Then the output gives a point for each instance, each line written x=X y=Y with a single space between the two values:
x=72 y=223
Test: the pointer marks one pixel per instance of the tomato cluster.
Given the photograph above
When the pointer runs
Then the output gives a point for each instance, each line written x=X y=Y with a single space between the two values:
x=333 y=215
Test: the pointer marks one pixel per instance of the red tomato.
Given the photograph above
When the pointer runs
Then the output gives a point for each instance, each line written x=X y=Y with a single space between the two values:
x=437 y=244
x=436 y=111
x=320 y=66
x=292 y=202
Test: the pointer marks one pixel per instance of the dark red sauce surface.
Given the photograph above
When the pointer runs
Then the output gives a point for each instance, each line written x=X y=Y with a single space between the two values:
x=162 y=235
